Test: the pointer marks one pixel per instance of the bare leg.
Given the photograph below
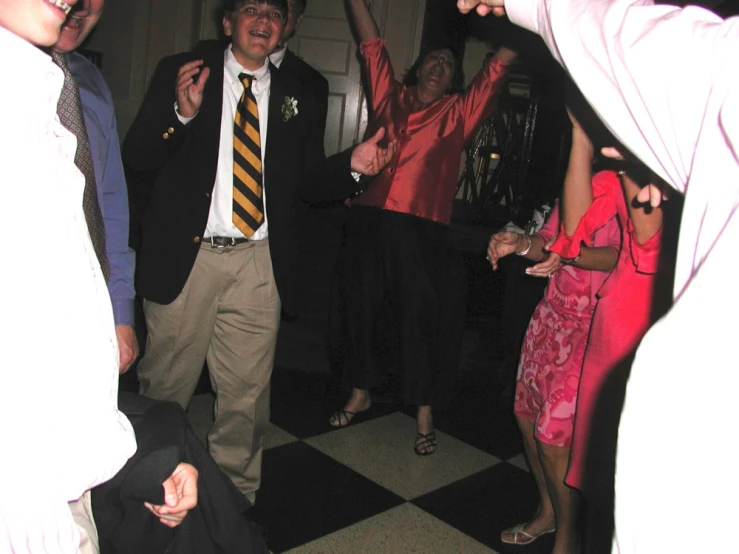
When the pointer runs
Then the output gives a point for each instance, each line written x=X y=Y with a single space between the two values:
x=359 y=401
x=425 y=422
x=543 y=519
x=565 y=500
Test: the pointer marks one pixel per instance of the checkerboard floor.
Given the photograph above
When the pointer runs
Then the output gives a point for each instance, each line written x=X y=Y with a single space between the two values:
x=362 y=488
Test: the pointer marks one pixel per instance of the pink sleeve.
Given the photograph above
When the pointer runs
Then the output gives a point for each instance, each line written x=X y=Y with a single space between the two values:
x=378 y=71
x=645 y=256
x=606 y=196
x=478 y=100
x=551 y=225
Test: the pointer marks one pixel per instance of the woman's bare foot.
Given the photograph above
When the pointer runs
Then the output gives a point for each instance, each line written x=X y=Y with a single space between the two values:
x=358 y=402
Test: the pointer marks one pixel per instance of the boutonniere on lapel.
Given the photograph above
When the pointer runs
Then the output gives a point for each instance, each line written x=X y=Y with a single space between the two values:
x=289 y=108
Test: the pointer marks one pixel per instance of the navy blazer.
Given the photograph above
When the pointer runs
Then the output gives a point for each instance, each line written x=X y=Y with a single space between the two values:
x=182 y=161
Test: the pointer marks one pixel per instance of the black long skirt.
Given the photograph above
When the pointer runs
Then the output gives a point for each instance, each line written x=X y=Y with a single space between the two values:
x=403 y=267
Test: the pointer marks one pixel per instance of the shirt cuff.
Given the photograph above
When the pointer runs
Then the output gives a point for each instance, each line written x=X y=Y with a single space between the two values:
x=123 y=312
x=357 y=176
x=524 y=13
x=184 y=120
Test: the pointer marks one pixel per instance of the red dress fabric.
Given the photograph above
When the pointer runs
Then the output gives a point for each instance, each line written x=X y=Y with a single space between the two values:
x=421 y=179
x=555 y=341
x=622 y=314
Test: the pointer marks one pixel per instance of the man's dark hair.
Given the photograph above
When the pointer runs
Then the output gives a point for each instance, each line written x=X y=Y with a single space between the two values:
x=410 y=79
x=231 y=6
x=299 y=6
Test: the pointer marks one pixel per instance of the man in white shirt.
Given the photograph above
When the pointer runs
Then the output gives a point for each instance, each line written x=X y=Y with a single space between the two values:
x=664 y=80
x=58 y=415
x=58 y=409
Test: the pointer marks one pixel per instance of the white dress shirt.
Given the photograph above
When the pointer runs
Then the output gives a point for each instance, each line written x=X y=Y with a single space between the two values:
x=665 y=81
x=61 y=429
x=220 y=217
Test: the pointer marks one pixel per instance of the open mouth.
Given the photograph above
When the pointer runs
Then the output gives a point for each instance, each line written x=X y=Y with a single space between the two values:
x=260 y=34
x=66 y=8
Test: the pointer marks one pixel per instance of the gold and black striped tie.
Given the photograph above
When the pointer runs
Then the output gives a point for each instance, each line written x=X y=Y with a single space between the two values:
x=248 y=206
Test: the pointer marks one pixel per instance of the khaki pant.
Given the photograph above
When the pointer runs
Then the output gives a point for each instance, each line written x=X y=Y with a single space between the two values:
x=229 y=314
x=82 y=514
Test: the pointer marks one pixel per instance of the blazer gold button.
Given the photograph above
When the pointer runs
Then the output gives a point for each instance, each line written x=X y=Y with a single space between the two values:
x=170 y=130
x=196 y=240
x=207 y=195
x=165 y=136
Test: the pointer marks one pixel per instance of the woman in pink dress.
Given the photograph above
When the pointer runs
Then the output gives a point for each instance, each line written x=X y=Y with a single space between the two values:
x=552 y=357
x=622 y=316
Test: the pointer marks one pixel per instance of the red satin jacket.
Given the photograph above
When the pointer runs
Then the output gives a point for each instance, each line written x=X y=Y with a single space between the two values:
x=421 y=179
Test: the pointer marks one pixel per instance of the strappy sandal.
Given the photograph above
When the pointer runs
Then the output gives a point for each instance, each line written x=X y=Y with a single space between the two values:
x=521 y=537
x=341 y=418
x=425 y=444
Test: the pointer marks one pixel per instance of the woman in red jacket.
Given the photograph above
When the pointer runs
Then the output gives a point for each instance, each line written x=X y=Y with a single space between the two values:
x=395 y=248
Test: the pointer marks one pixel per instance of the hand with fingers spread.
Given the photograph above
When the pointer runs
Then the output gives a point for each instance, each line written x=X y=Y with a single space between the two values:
x=368 y=158
x=191 y=79
x=483 y=7
x=180 y=496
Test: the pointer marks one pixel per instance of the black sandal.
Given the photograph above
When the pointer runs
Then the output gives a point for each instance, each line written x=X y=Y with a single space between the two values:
x=342 y=418
x=425 y=444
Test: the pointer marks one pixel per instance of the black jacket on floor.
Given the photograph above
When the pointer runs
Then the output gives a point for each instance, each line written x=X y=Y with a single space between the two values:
x=217 y=525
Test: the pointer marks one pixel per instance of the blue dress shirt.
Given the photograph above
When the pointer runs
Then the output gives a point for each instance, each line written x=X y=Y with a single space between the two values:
x=97 y=105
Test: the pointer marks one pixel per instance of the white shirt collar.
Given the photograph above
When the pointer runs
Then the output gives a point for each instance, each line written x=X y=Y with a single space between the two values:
x=24 y=53
x=42 y=79
x=277 y=57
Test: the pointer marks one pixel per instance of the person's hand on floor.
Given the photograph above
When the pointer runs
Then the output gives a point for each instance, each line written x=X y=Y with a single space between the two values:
x=180 y=496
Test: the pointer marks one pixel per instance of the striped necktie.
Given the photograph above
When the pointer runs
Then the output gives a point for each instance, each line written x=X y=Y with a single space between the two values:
x=248 y=206
x=69 y=109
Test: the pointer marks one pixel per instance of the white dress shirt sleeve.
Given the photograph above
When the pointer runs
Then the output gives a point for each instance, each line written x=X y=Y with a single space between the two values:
x=647 y=70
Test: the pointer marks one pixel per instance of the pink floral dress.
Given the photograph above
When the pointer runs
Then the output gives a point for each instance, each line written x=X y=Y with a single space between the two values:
x=554 y=346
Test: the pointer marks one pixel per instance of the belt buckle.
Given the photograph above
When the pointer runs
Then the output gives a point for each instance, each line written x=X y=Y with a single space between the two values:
x=214 y=245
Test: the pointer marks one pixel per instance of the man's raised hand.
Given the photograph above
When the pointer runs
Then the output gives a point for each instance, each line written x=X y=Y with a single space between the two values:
x=189 y=88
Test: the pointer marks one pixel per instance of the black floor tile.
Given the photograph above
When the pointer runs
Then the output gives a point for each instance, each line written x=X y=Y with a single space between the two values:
x=482 y=416
x=306 y=495
x=302 y=402
x=484 y=504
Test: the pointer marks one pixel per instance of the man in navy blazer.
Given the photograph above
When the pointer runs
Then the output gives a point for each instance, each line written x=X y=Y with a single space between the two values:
x=210 y=292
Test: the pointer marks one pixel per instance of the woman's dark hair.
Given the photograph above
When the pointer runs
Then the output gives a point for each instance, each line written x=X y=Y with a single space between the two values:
x=410 y=79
